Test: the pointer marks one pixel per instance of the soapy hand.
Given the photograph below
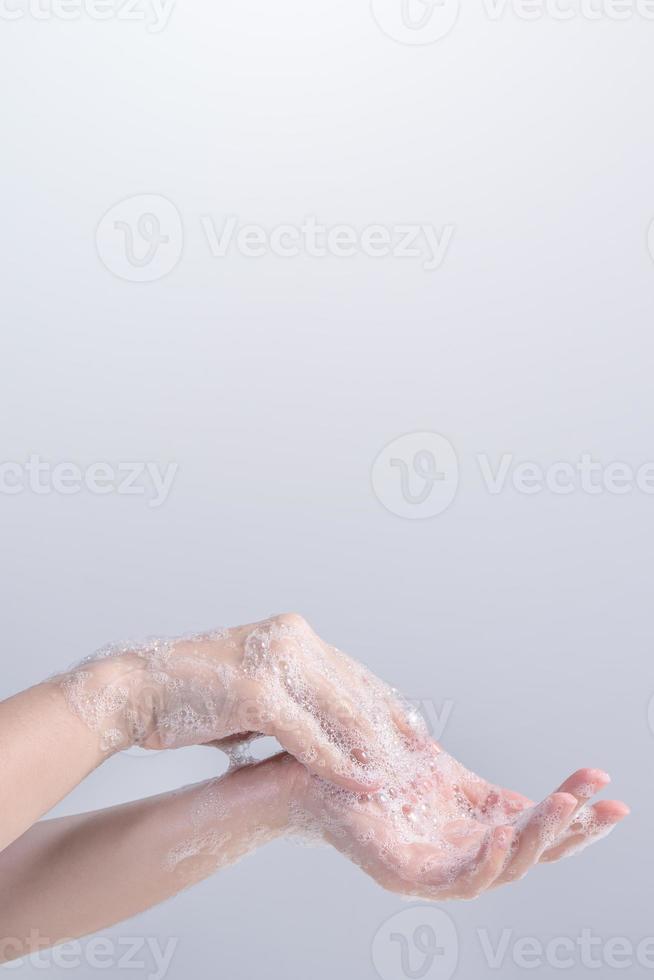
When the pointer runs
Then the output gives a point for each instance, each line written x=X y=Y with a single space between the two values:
x=368 y=777
x=441 y=832
x=275 y=678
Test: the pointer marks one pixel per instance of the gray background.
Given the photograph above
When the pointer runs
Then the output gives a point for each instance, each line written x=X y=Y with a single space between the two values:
x=275 y=383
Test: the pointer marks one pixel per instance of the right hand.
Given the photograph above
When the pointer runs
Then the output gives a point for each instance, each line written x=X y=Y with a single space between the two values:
x=274 y=678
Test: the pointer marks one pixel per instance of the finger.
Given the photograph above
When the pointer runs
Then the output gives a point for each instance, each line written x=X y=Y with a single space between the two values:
x=589 y=827
x=584 y=784
x=489 y=864
x=535 y=832
x=324 y=691
x=343 y=724
x=226 y=744
x=307 y=741
x=313 y=719
x=377 y=704
x=408 y=721
x=348 y=726
x=436 y=875
x=513 y=803
x=492 y=804
x=350 y=703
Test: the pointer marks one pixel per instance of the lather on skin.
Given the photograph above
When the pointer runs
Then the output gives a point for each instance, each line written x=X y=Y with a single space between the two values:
x=443 y=833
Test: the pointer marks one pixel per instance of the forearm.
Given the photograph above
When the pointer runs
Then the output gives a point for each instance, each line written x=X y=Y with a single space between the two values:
x=69 y=877
x=45 y=751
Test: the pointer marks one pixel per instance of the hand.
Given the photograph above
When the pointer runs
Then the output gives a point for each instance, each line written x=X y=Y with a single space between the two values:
x=275 y=678
x=588 y=823
x=441 y=832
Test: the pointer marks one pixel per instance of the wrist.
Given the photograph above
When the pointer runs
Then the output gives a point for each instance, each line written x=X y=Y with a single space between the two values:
x=114 y=697
x=292 y=784
x=270 y=791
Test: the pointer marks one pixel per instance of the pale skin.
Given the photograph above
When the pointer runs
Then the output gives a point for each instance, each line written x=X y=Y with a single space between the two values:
x=76 y=875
